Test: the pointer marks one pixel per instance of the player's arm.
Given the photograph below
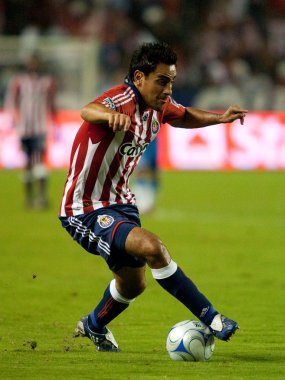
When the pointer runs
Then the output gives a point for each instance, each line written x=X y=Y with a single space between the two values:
x=196 y=118
x=12 y=98
x=97 y=113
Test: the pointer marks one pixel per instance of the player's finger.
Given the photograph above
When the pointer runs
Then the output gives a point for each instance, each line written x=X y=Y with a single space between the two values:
x=127 y=124
x=114 y=122
x=119 y=122
x=242 y=118
x=237 y=108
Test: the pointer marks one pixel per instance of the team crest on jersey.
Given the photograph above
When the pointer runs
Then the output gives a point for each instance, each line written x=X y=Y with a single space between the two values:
x=109 y=103
x=105 y=221
x=154 y=126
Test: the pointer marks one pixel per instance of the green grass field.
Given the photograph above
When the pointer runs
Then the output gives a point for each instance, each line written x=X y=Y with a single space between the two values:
x=226 y=230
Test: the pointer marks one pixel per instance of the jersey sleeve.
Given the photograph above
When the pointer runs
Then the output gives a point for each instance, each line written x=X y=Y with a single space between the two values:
x=108 y=98
x=97 y=132
x=172 y=111
x=106 y=101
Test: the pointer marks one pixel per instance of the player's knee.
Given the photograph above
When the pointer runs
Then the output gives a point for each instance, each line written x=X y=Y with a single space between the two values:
x=144 y=244
x=132 y=289
x=156 y=253
x=130 y=283
x=138 y=287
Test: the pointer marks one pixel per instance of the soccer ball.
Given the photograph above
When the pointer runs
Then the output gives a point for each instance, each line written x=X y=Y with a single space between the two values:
x=190 y=341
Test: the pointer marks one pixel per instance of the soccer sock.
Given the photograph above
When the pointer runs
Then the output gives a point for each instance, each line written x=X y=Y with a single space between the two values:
x=28 y=180
x=110 y=306
x=172 y=279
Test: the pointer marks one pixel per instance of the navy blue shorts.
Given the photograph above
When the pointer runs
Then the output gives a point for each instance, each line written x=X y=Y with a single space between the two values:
x=104 y=232
x=34 y=144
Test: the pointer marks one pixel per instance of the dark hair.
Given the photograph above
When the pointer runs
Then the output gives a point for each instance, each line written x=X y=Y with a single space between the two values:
x=149 y=55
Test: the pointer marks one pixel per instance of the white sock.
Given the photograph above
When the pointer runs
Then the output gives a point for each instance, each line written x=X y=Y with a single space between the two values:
x=116 y=295
x=164 y=272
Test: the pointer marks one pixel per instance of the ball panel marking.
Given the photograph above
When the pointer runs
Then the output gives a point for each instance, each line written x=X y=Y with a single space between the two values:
x=190 y=341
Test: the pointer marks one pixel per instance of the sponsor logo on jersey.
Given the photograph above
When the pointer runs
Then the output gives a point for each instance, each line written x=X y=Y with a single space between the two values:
x=154 y=126
x=145 y=116
x=110 y=104
x=105 y=221
x=131 y=150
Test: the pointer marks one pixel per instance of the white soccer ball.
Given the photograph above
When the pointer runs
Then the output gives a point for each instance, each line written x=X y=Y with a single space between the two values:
x=190 y=341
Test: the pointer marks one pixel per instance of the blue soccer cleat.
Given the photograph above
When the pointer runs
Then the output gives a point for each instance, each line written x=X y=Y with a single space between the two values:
x=222 y=327
x=103 y=342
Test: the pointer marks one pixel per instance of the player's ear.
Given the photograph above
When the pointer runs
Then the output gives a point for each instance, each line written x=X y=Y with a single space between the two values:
x=138 y=77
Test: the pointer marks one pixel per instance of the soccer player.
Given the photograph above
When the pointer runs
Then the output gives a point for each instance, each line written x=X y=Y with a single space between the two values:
x=30 y=98
x=98 y=208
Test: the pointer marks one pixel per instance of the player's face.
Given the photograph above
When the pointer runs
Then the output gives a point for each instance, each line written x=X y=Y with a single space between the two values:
x=156 y=87
x=34 y=64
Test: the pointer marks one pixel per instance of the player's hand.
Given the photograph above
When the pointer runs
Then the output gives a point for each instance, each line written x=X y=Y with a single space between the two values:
x=119 y=122
x=233 y=113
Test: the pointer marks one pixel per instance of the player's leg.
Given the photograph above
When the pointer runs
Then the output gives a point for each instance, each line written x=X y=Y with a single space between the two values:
x=40 y=172
x=141 y=242
x=169 y=275
x=127 y=284
x=104 y=232
x=129 y=281
x=28 y=179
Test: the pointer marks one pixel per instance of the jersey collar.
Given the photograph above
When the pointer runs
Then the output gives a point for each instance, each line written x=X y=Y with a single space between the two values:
x=139 y=98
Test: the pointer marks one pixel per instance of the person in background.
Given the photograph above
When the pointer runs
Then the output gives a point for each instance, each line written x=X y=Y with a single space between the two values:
x=30 y=98
x=147 y=180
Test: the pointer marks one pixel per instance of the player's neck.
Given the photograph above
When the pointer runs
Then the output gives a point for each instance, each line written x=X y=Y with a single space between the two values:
x=140 y=100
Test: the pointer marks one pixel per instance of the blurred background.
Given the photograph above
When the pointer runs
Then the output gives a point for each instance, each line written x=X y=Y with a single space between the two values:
x=230 y=51
x=237 y=46
x=230 y=225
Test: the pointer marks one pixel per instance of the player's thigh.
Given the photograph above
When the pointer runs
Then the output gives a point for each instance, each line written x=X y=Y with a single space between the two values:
x=130 y=282
x=145 y=244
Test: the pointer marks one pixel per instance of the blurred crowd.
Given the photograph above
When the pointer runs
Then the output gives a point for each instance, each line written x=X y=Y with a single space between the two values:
x=230 y=51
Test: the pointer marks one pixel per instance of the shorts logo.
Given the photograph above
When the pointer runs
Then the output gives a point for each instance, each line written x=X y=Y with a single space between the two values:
x=105 y=221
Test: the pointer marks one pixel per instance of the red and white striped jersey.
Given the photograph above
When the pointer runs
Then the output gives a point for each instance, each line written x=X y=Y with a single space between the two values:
x=102 y=161
x=30 y=98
